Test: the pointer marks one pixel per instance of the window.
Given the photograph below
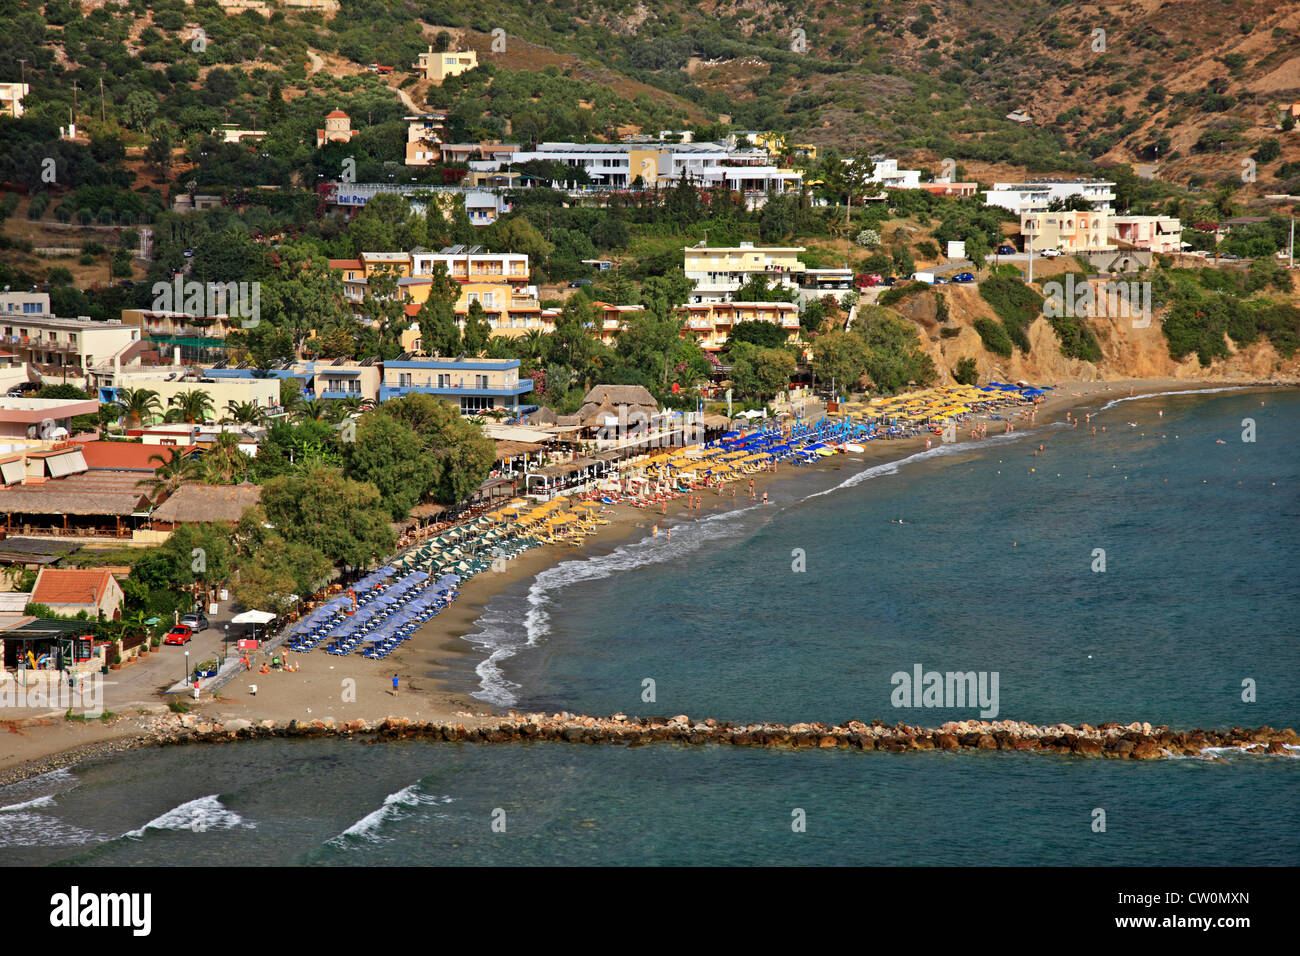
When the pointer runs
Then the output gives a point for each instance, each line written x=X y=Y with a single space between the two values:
x=444 y=381
x=480 y=381
x=354 y=386
x=404 y=380
x=469 y=404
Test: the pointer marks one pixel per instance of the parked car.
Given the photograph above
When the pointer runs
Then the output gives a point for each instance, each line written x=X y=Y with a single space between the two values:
x=940 y=280
x=579 y=283
x=865 y=280
x=1050 y=253
x=196 y=620
x=1006 y=250
x=964 y=277
x=888 y=280
x=180 y=634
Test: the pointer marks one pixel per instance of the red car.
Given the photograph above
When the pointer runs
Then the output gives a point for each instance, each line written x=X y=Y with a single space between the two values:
x=180 y=634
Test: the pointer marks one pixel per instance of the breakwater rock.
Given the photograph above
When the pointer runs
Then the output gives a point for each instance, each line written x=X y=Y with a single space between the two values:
x=1135 y=741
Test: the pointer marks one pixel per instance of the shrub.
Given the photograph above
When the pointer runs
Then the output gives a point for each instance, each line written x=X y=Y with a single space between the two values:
x=966 y=373
x=1016 y=304
x=995 y=337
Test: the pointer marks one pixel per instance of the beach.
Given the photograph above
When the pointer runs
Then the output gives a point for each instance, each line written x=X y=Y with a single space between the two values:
x=326 y=687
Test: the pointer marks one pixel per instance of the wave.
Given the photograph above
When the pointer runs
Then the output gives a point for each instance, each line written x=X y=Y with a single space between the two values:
x=504 y=634
x=45 y=801
x=939 y=451
x=24 y=828
x=366 y=830
x=199 y=816
x=1185 y=391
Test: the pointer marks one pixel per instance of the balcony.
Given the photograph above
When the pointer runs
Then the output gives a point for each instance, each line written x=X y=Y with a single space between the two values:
x=340 y=393
x=512 y=392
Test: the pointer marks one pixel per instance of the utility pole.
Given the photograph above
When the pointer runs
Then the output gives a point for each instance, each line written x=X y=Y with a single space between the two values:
x=23 y=67
x=1292 y=264
x=74 y=101
x=1029 y=245
x=102 y=117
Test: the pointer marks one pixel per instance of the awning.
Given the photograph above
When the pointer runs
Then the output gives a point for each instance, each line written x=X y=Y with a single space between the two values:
x=253 y=617
x=61 y=465
x=13 y=472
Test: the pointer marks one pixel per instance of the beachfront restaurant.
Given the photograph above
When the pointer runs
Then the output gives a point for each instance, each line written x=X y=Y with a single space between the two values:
x=565 y=477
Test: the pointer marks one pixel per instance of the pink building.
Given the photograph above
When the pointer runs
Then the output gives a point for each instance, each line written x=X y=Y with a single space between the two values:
x=1162 y=234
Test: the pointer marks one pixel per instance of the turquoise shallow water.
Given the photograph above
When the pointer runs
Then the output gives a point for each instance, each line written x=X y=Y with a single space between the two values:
x=1199 y=594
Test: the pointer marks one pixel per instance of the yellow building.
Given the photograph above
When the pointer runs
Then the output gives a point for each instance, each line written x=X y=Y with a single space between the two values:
x=718 y=271
x=438 y=66
x=711 y=324
x=1068 y=232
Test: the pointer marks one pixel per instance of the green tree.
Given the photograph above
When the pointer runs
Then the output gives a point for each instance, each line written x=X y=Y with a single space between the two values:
x=439 y=334
x=477 y=330
x=840 y=358
x=388 y=455
x=342 y=519
x=760 y=373
x=966 y=372
x=454 y=452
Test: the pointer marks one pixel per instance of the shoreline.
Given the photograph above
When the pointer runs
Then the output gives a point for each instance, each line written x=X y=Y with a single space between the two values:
x=351 y=689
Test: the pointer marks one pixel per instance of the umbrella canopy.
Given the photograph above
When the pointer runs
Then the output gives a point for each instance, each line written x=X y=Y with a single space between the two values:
x=253 y=617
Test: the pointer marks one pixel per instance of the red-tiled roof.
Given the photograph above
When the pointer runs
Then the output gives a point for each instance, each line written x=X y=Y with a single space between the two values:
x=55 y=586
x=128 y=456
x=337 y=114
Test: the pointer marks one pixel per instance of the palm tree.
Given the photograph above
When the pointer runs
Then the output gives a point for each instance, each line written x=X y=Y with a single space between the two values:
x=244 y=413
x=172 y=472
x=224 y=463
x=313 y=409
x=139 y=405
x=341 y=408
x=533 y=342
x=194 y=405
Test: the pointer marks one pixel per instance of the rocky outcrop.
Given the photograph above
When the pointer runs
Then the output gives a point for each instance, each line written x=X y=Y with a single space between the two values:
x=1136 y=741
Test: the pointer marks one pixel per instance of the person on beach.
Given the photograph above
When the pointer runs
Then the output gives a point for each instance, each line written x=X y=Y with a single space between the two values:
x=765 y=497
x=394 y=685
x=196 y=688
x=669 y=533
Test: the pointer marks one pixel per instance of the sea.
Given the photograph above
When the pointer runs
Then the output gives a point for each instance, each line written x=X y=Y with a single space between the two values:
x=1144 y=573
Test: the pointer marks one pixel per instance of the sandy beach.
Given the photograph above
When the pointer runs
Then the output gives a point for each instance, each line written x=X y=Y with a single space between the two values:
x=354 y=688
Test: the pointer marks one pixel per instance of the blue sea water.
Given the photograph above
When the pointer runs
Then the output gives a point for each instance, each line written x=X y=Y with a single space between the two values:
x=995 y=567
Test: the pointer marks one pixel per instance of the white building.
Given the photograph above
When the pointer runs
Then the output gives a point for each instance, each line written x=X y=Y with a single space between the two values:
x=887 y=174
x=622 y=165
x=1034 y=196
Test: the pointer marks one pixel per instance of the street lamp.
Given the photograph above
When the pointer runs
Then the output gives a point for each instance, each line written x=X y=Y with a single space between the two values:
x=187 y=667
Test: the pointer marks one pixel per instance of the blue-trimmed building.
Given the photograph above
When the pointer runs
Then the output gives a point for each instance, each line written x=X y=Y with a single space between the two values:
x=476 y=385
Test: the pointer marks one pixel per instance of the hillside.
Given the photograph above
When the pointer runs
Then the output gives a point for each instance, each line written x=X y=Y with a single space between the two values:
x=1127 y=352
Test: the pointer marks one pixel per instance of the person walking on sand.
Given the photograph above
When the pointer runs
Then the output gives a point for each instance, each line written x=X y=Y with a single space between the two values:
x=394 y=685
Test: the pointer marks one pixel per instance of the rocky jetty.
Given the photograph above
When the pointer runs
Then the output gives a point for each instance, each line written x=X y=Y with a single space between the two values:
x=1136 y=741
